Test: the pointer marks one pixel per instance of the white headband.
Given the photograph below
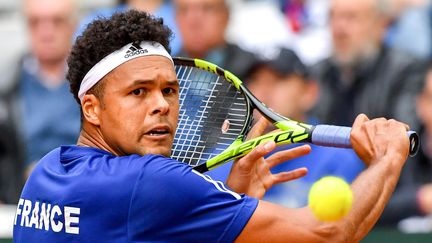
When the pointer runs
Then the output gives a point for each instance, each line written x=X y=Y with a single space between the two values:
x=115 y=59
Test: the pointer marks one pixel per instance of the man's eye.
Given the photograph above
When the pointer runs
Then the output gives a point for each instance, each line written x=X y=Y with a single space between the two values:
x=138 y=92
x=169 y=91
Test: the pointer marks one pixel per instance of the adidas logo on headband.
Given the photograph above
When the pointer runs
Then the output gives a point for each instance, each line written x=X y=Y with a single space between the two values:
x=134 y=50
x=115 y=59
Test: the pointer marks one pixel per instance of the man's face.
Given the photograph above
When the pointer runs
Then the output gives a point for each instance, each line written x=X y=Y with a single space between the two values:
x=202 y=24
x=140 y=106
x=285 y=94
x=51 y=25
x=356 y=27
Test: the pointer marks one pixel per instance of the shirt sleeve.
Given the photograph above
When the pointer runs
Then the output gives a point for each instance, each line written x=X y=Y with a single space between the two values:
x=172 y=202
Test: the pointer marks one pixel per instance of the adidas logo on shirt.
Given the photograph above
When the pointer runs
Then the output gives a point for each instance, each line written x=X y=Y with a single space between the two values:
x=135 y=50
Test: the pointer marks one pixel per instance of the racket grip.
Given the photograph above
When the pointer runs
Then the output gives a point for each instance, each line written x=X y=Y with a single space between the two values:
x=331 y=136
x=339 y=136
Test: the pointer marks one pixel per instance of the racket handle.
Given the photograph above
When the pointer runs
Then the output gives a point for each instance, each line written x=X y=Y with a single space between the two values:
x=338 y=136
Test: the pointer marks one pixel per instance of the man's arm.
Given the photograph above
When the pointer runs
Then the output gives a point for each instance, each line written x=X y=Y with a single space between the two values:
x=383 y=146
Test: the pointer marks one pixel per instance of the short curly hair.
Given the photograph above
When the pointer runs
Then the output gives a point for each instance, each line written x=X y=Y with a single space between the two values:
x=106 y=35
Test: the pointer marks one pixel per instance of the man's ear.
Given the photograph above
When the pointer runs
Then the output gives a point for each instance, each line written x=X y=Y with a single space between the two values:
x=91 y=108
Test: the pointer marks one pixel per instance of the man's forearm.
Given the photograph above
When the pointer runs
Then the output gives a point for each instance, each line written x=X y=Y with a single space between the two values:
x=374 y=187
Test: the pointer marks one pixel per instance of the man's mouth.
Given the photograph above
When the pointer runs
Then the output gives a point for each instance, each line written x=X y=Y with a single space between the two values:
x=158 y=131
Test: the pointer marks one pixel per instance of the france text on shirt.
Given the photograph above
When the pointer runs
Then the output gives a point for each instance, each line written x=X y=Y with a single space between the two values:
x=45 y=216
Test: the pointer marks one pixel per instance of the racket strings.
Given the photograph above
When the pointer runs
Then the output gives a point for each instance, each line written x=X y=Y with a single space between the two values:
x=207 y=87
x=187 y=138
x=212 y=115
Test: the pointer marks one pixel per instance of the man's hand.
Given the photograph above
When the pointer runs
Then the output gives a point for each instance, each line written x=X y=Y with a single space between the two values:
x=251 y=174
x=374 y=139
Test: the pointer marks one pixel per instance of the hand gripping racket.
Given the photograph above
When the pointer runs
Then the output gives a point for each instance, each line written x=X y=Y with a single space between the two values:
x=216 y=112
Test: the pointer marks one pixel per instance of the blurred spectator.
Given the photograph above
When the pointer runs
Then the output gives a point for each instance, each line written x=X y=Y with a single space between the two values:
x=424 y=111
x=40 y=111
x=364 y=76
x=410 y=28
x=159 y=8
x=424 y=158
x=300 y=25
x=283 y=83
x=202 y=25
x=413 y=195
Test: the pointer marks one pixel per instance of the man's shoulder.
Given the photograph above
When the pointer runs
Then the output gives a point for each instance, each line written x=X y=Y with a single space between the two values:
x=69 y=173
x=76 y=162
x=50 y=157
x=89 y=157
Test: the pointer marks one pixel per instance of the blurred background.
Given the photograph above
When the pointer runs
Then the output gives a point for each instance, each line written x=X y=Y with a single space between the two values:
x=317 y=61
x=13 y=32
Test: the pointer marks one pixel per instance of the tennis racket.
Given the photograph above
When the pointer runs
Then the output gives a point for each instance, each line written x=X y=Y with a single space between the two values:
x=216 y=112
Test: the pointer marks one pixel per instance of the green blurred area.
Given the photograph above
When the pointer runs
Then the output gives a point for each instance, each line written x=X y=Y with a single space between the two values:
x=394 y=236
x=376 y=236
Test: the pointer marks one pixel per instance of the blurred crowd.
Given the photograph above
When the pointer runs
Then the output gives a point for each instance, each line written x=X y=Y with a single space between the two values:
x=316 y=61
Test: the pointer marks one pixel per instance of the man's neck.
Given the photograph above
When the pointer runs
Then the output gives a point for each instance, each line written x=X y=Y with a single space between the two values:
x=54 y=71
x=91 y=137
x=50 y=73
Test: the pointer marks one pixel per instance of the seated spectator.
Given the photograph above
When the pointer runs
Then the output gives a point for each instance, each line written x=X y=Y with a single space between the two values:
x=364 y=76
x=283 y=84
x=413 y=195
x=202 y=26
x=159 y=8
x=41 y=114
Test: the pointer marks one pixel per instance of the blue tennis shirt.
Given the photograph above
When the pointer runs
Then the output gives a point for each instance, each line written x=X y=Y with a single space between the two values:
x=82 y=194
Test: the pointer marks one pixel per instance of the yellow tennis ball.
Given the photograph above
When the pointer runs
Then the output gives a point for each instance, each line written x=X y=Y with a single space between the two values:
x=330 y=198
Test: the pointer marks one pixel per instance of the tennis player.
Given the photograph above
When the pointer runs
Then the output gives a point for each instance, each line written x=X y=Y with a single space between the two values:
x=118 y=183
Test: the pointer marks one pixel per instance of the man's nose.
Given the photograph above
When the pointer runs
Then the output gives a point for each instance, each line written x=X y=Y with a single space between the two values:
x=160 y=104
